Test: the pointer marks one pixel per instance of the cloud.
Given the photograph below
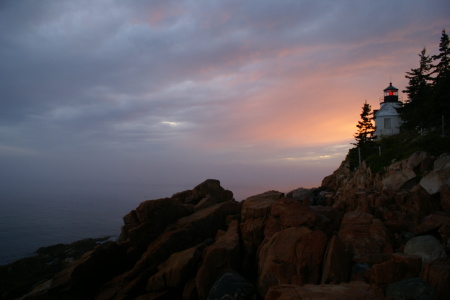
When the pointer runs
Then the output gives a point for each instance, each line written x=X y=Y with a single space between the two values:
x=202 y=85
x=6 y=151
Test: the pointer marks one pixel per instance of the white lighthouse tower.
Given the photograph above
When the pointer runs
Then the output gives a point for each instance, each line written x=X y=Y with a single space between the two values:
x=387 y=119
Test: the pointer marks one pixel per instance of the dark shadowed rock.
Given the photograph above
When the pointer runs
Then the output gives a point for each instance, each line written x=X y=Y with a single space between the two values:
x=362 y=233
x=288 y=212
x=339 y=177
x=444 y=194
x=187 y=232
x=190 y=290
x=176 y=270
x=329 y=219
x=396 y=220
x=399 y=173
x=437 y=273
x=149 y=219
x=232 y=286
x=293 y=255
x=398 y=267
x=205 y=202
x=336 y=266
x=415 y=202
x=427 y=247
x=303 y=195
x=210 y=188
x=221 y=256
x=434 y=180
x=254 y=215
x=411 y=288
x=412 y=264
x=372 y=258
x=432 y=224
x=21 y=276
x=84 y=276
x=347 y=291
x=360 y=272
x=397 y=176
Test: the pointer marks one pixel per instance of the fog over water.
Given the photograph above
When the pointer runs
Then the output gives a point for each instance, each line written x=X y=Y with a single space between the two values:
x=38 y=218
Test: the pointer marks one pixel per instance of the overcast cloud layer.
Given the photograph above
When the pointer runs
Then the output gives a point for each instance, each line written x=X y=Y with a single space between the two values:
x=258 y=94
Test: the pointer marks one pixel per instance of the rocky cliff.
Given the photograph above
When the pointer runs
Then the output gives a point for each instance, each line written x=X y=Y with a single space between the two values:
x=359 y=236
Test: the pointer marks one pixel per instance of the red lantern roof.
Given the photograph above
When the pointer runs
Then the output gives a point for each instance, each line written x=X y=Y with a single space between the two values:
x=390 y=88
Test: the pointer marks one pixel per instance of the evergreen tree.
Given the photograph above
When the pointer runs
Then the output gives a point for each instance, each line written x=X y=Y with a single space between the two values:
x=429 y=90
x=416 y=111
x=419 y=78
x=366 y=129
x=440 y=100
x=442 y=68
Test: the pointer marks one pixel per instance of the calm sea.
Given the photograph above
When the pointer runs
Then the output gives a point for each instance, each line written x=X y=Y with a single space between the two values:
x=42 y=216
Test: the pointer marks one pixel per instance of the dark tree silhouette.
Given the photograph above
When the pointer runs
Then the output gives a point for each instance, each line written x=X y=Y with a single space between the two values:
x=440 y=100
x=414 y=113
x=366 y=129
x=429 y=91
x=442 y=60
x=419 y=79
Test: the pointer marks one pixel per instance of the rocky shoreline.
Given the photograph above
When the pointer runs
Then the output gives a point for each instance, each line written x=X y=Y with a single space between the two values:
x=359 y=236
x=35 y=271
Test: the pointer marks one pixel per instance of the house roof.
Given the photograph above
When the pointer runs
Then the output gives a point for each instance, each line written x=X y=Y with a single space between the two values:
x=387 y=109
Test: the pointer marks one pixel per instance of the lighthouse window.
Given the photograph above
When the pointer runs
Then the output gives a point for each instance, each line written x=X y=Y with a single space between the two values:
x=391 y=93
x=387 y=123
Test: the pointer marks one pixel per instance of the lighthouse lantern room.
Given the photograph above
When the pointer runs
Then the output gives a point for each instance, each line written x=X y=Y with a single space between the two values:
x=390 y=93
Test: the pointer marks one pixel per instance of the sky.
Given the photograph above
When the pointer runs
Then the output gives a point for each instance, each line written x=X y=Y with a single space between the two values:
x=138 y=95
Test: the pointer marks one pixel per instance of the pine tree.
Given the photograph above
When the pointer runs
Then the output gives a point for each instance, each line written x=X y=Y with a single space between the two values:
x=442 y=68
x=440 y=100
x=419 y=78
x=416 y=111
x=429 y=90
x=366 y=129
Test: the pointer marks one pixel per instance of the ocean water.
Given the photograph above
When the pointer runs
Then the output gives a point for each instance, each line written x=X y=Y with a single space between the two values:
x=44 y=216
x=40 y=216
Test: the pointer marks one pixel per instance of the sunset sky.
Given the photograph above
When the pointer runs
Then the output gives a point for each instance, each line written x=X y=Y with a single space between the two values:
x=139 y=94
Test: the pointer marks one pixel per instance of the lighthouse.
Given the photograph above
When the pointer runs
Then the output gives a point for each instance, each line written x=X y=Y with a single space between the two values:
x=387 y=119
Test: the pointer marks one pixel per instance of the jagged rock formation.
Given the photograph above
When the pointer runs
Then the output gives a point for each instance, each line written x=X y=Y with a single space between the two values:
x=354 y=237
